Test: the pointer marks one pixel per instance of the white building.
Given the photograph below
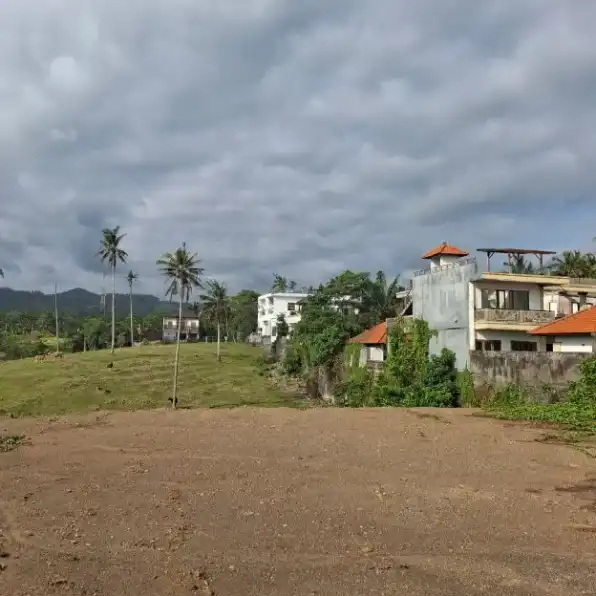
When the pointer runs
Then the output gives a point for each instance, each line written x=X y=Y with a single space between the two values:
x=274 y=304
x=473 y=311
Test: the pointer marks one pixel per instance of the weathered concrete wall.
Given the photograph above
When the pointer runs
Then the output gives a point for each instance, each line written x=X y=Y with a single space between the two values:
x=527 y=368
x=442 y=298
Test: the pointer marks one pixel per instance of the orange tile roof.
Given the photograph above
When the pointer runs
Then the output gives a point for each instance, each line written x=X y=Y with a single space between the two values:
x=581 y=322
x=445 y=249
x=374 y=336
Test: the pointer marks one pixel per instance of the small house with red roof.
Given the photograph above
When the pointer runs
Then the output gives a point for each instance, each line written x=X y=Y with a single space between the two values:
x=573 y=333
x=374 y=344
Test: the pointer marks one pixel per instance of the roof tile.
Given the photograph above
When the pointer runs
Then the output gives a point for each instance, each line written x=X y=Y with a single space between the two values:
x=580 y=323
x=377 y=335
x=445 y=249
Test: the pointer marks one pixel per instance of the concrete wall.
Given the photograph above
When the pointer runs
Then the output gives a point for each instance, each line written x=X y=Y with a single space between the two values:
x=441 y=297
x=528 y=368
x=572 y=343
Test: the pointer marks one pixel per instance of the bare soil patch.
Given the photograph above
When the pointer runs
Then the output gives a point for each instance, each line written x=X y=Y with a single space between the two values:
x=287 y=502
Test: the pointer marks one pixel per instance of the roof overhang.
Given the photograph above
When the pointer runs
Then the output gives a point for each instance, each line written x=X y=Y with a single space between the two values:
x=525 y=278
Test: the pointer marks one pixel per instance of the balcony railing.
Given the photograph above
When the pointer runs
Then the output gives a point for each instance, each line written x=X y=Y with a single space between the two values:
x=499 y=315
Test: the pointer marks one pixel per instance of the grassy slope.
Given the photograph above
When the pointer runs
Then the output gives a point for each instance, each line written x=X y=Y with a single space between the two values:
x=140 y=378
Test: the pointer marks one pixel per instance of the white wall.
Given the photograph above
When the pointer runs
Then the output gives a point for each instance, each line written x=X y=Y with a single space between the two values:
x=571 y=343
x=506 y=337
x=270 y=306
x=371 y=353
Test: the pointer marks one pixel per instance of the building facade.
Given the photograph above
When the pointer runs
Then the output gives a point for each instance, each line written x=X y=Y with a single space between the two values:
x=274 y=304
x=491 y=311
x=188 y=332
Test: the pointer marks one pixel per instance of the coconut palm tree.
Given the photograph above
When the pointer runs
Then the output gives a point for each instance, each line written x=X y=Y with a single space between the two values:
x=216 y=305
x=519 y=264
x=280 y=283
x=131 y=278
x=571 y=263
x=110 y=252
x=182 y=272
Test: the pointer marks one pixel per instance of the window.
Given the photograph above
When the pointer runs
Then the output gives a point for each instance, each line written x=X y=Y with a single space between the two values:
x=488 y=345
x=524 y=346
x=273 y=331
x=291 y=306
x=505 y=299
x=549 y=347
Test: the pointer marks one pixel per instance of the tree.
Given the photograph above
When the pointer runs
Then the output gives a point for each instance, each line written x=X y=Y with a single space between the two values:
x=572 y=263
x=292 y=285
x=519 y=264
x=244 y=313
x=216 y=305
x=2 y=273
x=182 y=272
x=280 y=284
x=131 y=278
x=111 y=253
x=380 y=298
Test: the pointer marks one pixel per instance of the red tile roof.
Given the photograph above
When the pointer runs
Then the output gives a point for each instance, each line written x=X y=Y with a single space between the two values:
x=581 y=322
x=445 y=249
x=375 y=336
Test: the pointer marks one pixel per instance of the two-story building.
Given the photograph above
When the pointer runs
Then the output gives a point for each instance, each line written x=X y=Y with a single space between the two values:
x=188 y=332
x=271 y=305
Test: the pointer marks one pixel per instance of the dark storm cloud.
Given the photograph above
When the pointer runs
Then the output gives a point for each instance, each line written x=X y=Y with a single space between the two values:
x=295 y=137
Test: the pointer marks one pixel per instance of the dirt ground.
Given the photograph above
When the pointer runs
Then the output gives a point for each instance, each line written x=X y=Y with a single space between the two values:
x=288 y=502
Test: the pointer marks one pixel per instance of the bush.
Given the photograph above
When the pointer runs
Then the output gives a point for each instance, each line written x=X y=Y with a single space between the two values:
x=358 y=389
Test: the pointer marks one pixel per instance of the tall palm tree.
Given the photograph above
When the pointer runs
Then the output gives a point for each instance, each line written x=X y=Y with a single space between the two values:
x=110 y=252
x=216 y=305
x=131 y=278
x=182 y=272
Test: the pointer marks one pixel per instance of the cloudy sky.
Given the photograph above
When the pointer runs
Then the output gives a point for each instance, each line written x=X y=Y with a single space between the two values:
x=296 y=136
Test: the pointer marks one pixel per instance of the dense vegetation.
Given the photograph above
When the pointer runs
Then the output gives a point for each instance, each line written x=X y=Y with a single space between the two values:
x=575 y=410
x=410 y=377
x=344 y=307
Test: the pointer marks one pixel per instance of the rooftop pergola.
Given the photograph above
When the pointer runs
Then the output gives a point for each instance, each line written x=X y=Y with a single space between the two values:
x=515 y=254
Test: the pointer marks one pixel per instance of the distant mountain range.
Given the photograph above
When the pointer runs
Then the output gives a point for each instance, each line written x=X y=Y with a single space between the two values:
x=79 y=302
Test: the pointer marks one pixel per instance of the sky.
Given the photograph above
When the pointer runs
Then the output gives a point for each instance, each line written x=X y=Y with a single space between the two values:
x=298 y=137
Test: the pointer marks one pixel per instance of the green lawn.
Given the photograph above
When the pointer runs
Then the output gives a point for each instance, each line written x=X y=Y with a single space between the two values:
x=140 y=378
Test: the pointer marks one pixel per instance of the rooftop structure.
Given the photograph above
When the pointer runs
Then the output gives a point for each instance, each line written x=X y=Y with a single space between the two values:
x=515 y=254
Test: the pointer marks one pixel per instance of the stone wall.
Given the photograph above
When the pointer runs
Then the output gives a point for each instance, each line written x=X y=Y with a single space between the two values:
x=528 y=368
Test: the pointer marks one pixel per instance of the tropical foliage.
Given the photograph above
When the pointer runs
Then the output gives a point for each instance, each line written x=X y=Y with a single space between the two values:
x=182 y=272
x=216 y=308
x=111 y=253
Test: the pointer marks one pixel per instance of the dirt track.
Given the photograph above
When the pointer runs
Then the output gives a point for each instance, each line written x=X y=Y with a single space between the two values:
x=263 y=502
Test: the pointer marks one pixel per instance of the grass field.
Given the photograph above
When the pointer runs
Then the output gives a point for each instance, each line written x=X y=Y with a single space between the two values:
x=140 y=378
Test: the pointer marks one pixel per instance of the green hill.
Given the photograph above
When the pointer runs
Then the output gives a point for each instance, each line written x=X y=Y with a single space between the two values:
x=77 y=301
x=139 y=378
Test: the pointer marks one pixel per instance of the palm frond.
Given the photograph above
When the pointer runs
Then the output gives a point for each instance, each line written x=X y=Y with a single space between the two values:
x=182 y=272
